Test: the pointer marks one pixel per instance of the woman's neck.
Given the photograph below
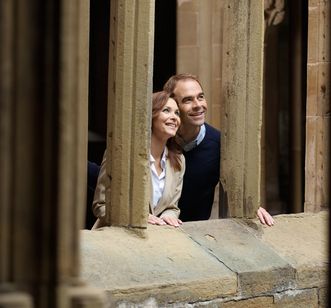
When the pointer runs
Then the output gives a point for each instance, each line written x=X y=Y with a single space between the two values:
x=157 y=147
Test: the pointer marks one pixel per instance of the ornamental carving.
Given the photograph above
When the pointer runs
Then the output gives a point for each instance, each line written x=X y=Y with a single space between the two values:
x=274 y=11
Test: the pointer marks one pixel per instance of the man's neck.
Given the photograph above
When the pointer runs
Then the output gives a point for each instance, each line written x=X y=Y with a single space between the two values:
x=188 y=133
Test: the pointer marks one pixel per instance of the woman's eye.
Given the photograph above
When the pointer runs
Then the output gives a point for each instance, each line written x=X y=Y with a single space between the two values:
x=166 y=110
x=177 y=113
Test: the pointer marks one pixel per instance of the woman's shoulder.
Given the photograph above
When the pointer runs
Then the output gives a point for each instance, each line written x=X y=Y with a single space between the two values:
x=181 y=157
x=182 y=162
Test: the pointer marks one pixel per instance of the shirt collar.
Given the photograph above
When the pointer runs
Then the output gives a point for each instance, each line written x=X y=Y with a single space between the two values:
x=194 y=143
x=163 y=158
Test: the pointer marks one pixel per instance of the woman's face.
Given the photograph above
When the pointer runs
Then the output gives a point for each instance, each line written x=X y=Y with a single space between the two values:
x=166 y=123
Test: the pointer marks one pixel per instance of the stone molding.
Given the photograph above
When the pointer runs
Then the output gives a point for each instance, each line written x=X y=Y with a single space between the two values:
x=222 y=263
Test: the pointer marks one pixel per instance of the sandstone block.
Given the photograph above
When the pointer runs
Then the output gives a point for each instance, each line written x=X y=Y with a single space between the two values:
x=259 y=268
x=301 y=240
x=297 y=298
x=166 y=266
x=264 y=301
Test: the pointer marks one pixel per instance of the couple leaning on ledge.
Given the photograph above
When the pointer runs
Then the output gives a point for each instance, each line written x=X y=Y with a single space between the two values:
x=184 y=158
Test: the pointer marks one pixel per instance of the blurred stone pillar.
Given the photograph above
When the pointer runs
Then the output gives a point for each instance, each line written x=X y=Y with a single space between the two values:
x=43 y=152
x=129 y=112
x=317 y=164
x=242 y=106
x=199 y=52
x=199 y=48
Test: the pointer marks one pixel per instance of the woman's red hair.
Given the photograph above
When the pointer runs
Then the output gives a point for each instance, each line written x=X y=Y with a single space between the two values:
x=159 y=99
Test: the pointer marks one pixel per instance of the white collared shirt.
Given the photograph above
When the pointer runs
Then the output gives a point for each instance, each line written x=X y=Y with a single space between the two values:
x=191 y=145
x=158 y=181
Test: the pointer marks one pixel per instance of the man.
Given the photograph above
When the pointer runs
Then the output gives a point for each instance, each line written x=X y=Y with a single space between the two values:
x=92 y=177
x=201 y=147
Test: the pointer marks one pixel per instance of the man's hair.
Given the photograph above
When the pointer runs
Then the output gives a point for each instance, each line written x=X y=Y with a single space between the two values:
x=171 y=83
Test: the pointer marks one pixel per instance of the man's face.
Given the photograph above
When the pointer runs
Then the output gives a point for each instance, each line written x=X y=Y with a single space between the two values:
x=191 y=101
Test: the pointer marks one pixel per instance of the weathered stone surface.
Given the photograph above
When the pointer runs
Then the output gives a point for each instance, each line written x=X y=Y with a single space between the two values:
x=129 y=111
x=297 y=298
x=259 y=268
x=317 y=166
x=166 y=266
x=323 y=297
x=198 y=264
x=84 y=296
x=241 y=122
x=302 y=240
x=264 y=301
x=317 y=180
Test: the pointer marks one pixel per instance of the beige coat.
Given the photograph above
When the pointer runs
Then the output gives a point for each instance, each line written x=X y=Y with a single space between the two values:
x=167 y=205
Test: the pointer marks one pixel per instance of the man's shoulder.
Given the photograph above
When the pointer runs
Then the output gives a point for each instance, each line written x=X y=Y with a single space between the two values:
x=212 y=131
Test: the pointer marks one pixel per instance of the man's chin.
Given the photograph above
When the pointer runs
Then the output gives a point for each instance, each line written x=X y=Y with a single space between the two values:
x=198 y=122
x=192 y=122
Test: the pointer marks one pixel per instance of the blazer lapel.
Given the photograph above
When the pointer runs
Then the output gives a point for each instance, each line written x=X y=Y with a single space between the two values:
x=168 y=179
x=167 y=187
x=151 y=209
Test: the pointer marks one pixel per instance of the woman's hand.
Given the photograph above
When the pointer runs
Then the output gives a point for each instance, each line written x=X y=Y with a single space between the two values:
x=264 y=217
x=172 y=221
x=165 y=220
x=153 y=220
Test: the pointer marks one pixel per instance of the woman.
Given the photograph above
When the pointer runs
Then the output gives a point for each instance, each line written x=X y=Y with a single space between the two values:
x=167 y=166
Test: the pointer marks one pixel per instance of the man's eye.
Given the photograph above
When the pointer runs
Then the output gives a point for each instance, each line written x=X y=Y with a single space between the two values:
x=201 y=96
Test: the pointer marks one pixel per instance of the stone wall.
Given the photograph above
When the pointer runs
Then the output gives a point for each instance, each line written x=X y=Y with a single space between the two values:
x=317 y=177
x=199 y=48
x=215 y=263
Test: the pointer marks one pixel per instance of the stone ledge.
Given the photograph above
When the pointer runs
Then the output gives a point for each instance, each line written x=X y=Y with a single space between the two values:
x=301 y=240
x=216 y=261
x=166 y=265
x=244 y=254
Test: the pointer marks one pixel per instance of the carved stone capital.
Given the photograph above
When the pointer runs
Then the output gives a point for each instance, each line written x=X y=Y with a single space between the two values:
x=274 y=12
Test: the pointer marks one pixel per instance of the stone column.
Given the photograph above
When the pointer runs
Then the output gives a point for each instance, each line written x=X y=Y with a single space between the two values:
x=317 y=164
x=129 y=111
x=242 y=105
x=43 y=152
x=199 y=45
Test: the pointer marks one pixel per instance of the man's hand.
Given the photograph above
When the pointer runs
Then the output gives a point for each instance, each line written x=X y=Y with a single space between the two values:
x=264 y=217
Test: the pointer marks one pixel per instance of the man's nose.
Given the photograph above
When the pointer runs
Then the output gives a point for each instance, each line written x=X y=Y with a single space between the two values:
x=196 y=103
